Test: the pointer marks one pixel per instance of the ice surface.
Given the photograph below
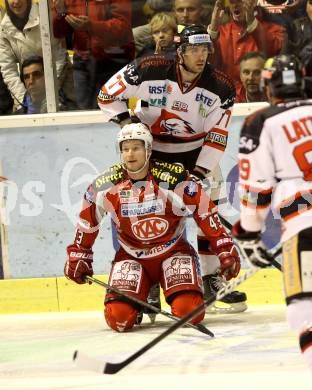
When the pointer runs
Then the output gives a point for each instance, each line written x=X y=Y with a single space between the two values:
x=251 y=350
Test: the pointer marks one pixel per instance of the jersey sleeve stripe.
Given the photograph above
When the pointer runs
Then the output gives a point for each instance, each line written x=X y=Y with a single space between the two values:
x=286 y=202
x=249 y=188
x=296 y=206
x=215 y=145
x=252 y=205
x=258 y=198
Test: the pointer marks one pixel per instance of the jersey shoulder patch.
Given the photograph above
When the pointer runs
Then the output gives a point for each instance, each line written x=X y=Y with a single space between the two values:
x=148 y=67
x=170 y=173
x=220 y=84
x=109 y=178
x=154 y=67
x=253 y=126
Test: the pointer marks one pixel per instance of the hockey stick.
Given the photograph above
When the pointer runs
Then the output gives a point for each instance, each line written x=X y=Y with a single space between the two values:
x=199 y=327
x=113 y=368
x=278 y=251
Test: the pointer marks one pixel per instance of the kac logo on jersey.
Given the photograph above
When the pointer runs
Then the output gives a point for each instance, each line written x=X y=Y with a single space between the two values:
x=149 y=228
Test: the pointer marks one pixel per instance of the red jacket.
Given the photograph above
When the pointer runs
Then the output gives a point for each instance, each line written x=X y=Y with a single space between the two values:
x=232 y=44
x=110 y=34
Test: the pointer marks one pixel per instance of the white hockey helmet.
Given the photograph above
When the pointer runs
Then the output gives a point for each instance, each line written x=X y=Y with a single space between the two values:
x=135 y=131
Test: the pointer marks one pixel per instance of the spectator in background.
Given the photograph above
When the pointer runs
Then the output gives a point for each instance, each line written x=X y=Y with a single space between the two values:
x=32 y=75
x=138 y=13
x=163 y=28
x=251 y=65
x=6 y=101
x=142 y=34
x=282 y=7
x=20 y=38
x=189 y=12
x=306 y=57
x=102 y=41
x=244 y=32
x=301 y=33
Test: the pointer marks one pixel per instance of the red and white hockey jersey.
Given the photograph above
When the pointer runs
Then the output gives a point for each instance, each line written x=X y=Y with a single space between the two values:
x=183 y=119
x=150 y=215
x=275 y=160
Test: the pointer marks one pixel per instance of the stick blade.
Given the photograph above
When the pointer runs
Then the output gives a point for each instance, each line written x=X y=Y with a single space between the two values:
x=113 y=368
x=205 y=330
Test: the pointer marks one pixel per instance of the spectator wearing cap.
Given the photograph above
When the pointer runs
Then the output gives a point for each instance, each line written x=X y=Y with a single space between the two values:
x=251 y=65
x=102 y=41
x=244 y=32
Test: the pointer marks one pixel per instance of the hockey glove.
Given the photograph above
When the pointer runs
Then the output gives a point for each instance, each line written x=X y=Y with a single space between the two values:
x=125 y=118
x=252 y=245
x=225 y=249
x=79 y=264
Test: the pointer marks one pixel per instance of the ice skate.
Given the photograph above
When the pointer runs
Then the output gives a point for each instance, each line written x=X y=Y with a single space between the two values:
x=153 y=299
x=234 y=302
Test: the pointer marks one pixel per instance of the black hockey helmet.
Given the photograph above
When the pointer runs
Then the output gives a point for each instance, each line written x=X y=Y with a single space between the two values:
x=284 y=76
x=195 y=34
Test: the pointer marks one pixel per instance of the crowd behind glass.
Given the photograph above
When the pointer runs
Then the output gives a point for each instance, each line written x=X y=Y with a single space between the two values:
x=92 y=40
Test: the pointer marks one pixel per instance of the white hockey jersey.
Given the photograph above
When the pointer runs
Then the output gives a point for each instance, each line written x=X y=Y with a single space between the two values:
x=275 y=160
x=186 y=120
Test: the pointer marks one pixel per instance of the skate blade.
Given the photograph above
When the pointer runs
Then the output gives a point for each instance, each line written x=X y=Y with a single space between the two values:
x=226 y=308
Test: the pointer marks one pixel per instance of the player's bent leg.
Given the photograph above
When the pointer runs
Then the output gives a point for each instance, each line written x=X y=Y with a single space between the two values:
x=129 y=276
x=184 y=302
x=299 y=317
x=120 y=316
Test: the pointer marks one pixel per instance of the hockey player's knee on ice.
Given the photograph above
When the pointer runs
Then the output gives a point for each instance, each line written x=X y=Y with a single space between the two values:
x=120 y=316
x=299 y=317
x=184 y=302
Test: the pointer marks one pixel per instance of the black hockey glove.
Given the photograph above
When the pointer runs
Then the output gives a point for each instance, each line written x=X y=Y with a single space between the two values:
x=252 y=245
x=125 y=118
